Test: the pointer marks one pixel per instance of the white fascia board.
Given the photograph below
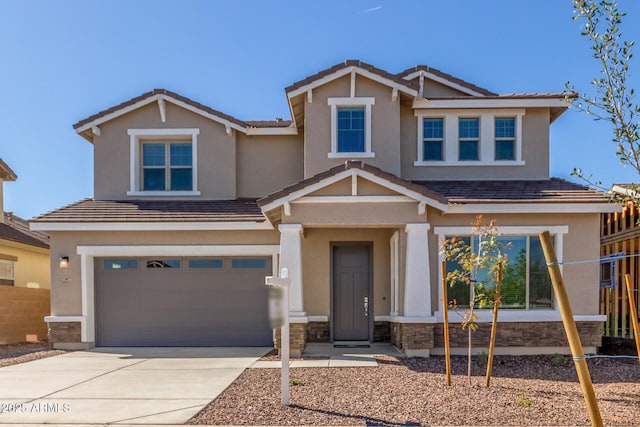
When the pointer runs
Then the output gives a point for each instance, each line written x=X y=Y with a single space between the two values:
x=290 y=130
x=117 y=113
x=353 y=199
x=182 y=250
x=490 y=103
x=443 y=81
x=345 y=174
x=347 y=70
x=150 y=226
x=156 y=98
x=506 y=230
x=533 y=208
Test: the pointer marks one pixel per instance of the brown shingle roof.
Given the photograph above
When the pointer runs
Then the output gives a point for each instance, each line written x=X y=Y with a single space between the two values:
x=17 y=229
x=90 y=210
x=278 y=123
x=448 y=77
x=552 y=190
x=151 y=93
x=351 y=164
x=6 y=173
x=352 y=63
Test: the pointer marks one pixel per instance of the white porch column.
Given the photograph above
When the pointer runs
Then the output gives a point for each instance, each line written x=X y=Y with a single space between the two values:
x=291 y=258
x=417 y=286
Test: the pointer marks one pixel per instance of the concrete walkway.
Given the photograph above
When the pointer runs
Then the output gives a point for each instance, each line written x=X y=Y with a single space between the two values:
x=120 y=385
x=337 y=355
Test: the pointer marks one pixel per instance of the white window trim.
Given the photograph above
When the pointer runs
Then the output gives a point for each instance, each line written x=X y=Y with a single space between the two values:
x=487 y=137
x=422 y=140
x=365 y=102
x=511 y=315
x=137 y=136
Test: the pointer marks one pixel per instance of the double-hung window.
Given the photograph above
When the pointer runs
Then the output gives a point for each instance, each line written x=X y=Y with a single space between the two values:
x=505 y=133
x=7 y=273
x=433 y=139
x=167 y=166
x=351 y=127
x=163 y=162
x=469 y=138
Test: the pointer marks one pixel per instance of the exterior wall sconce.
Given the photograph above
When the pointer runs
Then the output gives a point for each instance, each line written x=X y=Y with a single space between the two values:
x=63 y=262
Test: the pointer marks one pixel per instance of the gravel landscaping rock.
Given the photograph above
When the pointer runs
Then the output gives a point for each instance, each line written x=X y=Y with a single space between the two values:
x=525 y=391
x=12 y=354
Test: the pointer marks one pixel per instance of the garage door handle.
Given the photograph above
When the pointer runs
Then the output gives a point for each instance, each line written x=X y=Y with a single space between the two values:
x=366 y=306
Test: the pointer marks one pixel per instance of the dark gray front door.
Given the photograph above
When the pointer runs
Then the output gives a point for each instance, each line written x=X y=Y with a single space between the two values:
x=351 y=298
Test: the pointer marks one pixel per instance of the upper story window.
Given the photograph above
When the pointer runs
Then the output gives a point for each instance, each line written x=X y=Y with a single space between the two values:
x=163 y=162
x=505 y=138
x=477 y=137
x=7 y=273
x=351 y=127
x=167 y=166
x=469 y=138
x=351 y=130
x=433 y=139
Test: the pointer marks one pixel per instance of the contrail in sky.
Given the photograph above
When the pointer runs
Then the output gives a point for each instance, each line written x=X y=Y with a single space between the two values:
x=373 y=9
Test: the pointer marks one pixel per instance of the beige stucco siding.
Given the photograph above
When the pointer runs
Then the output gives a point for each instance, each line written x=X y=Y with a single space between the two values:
x=433 y=89
x=267 y=163
x=535 y=152
x=356 y=215
x=582 y=242
x=316 y=267
x=66 y=283
x=32 y=267
x=216 y=152
x=385 y=125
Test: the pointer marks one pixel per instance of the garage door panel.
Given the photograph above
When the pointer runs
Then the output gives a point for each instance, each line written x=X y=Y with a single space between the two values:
x=182 y=306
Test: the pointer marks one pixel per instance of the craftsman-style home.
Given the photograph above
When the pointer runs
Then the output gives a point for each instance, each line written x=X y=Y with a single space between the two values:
x=192 y=208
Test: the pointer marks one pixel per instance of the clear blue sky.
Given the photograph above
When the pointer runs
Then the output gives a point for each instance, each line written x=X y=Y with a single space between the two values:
x=65 y=60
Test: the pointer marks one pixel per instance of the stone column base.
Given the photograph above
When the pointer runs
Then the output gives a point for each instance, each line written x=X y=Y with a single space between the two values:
x=297 y=339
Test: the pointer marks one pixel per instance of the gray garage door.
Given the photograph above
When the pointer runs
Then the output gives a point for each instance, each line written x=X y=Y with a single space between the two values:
x=174 y=301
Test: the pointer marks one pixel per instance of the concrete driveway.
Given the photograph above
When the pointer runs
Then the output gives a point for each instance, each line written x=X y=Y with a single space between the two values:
x=120 y=385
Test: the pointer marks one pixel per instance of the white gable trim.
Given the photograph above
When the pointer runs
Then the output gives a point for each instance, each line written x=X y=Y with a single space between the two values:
x=160 y=99
x=348 y=70
x=551 y=102
x=403 y=191
x=441 y=80
x=477 y=208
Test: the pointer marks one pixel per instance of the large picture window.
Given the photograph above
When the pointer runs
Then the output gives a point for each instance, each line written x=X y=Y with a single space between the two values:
x=525 y=284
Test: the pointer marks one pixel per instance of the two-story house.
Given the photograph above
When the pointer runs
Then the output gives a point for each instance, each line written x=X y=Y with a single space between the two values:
x=353 y=195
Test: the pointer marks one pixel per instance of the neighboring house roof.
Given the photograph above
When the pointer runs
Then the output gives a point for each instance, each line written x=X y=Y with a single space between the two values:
x=552 y=190
x=17 y=229
x=6 y=173
x=442 y=76
x=89 y=210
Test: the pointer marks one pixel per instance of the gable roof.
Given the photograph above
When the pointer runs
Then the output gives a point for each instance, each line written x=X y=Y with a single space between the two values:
x=444 y=78
x=6 y=173
x=337 y=173
x=17 y=230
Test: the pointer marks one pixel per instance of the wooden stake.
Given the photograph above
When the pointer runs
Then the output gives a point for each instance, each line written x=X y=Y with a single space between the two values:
x=633 y=312
x=494 y=326
x=571 y=329
x=445 y=315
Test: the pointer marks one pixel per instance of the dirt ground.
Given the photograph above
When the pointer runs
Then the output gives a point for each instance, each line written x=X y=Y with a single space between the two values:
x=524 y=391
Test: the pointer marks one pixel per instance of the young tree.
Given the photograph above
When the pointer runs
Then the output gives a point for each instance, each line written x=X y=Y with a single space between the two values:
x=478 y=263
x=612 y=99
